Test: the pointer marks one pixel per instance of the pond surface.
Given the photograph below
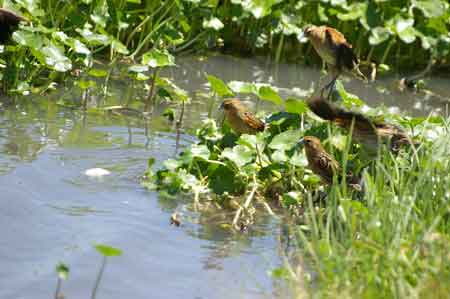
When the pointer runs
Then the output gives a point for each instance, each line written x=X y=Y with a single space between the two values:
x=50 y=211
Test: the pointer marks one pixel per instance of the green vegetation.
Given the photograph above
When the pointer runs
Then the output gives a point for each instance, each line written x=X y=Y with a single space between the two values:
x=392 y=240
x=63 y=270
x=67 y=37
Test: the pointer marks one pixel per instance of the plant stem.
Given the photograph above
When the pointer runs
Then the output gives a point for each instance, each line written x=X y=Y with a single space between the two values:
x=150 y=97
x=246 y=204
x=99 y=277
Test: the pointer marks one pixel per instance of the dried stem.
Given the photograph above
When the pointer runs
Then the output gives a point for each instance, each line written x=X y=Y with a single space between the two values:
x=246 y=204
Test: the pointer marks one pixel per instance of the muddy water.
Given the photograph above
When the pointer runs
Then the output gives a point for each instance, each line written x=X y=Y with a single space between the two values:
x=50 y=211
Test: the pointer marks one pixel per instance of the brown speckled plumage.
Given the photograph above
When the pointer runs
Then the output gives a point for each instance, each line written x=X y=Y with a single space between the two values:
x=323 y=164
x=365 y=131
x=240 y=119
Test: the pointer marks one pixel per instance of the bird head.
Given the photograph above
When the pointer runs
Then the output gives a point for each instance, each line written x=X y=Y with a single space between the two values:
x=230 y=104
x=308 y=30
x=310 y=143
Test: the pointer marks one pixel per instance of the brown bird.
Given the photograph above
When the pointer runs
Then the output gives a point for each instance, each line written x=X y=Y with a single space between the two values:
x=8 y=23
x=365 y=131
x=335 y=51
x=323 y=164
x=239 y=119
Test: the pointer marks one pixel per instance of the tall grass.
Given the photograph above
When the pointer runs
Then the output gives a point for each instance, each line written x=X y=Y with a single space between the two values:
x=395 y=242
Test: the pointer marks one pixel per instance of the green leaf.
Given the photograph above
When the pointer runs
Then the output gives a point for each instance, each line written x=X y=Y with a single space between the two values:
x=291 y=199
x=92 y=38
x=431 y=8
x=296 y=106
x=280 y=273
x=269 y=94
x=98 y=73
x=242 y=87
x=354 y=11
x=405 y=30
x=107 y=250
x=218 y=86
x=259 y=8
x=200 y=151
x=213 y=23
x=137 y=68
x=175 y=92
x=240 y=155
x=85 y=84
x=169 y=113
x=348 y=99
x=286 y=140
x=29 y=39
x=158 y=58
x=119 y=47
x=63 y=271
x=378 y=35
x=55 y=58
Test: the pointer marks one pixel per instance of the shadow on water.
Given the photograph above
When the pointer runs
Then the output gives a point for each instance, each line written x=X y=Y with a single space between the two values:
x=51 y=211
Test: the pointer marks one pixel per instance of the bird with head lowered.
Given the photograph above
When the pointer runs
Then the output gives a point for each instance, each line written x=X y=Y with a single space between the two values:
x=364 y=130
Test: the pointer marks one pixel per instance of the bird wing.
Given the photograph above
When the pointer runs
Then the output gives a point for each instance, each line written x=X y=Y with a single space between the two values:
x=252 y=121
x=327 y=166
x=322 y=108
x=334 y=37
x=346 y=58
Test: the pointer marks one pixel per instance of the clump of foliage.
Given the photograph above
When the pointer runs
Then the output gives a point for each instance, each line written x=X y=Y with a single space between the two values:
x=391 y=240
x=224 y=166
x=395 y=243
x=66 y=37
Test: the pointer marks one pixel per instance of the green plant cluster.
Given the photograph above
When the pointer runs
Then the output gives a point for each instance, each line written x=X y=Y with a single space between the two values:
x=64 y=37
x=392 y=240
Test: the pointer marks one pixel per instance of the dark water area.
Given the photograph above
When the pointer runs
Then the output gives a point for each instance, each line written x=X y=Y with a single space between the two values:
x=51 y=211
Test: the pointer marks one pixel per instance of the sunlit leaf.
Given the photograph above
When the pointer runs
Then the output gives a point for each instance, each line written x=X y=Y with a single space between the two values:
x=108 y=250
x=378 y=35
x=158 y=58
x=269 y=94
x=119 y=47
x=213 y=23
x=242 y=87
x=240 y=155
x=137 y=68
x=286 y=140
x=55 y=58
x=98 y=73
x=296 y=106
x=431 y=8
x=218 y=86
x=93 y=38
x=63 y=271
x=405 y=30
x=29 y=39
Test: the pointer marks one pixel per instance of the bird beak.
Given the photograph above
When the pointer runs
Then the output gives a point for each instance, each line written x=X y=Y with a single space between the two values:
x=221 y=106
x=299 y=144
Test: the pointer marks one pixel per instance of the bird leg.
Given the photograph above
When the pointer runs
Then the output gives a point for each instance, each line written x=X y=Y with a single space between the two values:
x=330 y=87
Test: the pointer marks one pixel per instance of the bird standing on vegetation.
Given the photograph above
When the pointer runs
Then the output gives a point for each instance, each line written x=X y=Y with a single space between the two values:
x=323 y=164
x=365 y=131
x=8 y=22
x=239 y=119
x=335 y=51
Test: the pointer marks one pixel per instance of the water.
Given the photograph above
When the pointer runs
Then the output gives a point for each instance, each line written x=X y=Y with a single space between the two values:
x=50 y=211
